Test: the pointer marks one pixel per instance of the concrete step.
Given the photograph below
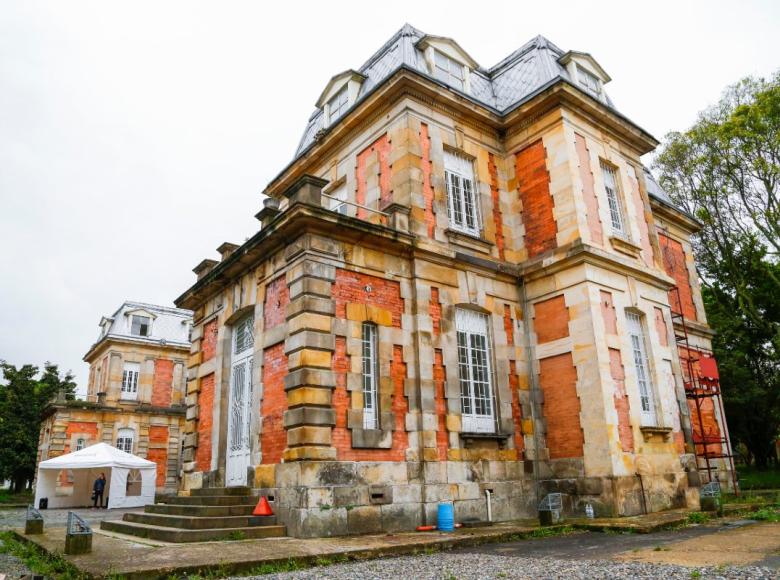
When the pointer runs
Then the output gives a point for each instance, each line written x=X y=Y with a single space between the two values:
x=213 y=500
x=200 y=523
x=205 y=511
x=178 y=535
x=241 y=490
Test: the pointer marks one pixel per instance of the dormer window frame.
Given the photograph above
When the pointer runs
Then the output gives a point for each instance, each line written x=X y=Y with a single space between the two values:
x=453 y=68
x=435 y=48
x=588 y=80
x=341 y=99
x=141 y=313
x=342 y=90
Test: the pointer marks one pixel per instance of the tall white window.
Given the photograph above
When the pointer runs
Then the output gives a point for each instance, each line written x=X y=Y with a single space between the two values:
x=140 y=325
x=338 y=105
x=370 y=377
x=241 y=386
x=613 y=199
x=476 y=378
x=124 y=439
x=461 y=193
x=588 y=81
x=636 y=333
x=448 y=70
x=130 y=375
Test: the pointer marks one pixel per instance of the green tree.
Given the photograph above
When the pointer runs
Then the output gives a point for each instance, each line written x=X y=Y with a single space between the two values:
x=23 y=396
x=725 y=170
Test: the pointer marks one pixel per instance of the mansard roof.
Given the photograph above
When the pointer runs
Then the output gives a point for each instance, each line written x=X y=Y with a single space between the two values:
x=528 y=69
x=170 y=326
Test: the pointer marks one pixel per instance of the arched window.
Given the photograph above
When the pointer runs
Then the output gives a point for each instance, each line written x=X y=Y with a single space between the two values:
x=125 y=439
x=80 y=443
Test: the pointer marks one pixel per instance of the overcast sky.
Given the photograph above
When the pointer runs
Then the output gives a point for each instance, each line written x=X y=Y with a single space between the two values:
x=136 y=137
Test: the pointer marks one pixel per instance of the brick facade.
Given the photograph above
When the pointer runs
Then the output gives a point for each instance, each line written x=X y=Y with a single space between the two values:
x=533 y=185
x=162 y=388
x=558 y=380
x=676 y=265
x=273 y=438
x=205 y=422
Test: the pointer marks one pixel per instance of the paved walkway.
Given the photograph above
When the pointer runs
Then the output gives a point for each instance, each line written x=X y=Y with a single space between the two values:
x=115 y=553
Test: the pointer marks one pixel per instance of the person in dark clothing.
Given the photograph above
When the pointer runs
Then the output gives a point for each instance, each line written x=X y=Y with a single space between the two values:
x=97 y=490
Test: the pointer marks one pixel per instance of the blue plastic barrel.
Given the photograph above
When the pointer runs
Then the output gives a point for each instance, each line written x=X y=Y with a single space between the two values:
x=445 y=518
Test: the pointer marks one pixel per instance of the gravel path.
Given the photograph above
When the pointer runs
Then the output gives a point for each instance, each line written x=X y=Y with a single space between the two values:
x=10 y=565
x=445 y=566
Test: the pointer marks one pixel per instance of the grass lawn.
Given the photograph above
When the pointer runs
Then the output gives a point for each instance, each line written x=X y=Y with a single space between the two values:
x=752 y=478
x=6 y=496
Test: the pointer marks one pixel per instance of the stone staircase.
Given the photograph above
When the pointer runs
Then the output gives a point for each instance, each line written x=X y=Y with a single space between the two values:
x=209 y=514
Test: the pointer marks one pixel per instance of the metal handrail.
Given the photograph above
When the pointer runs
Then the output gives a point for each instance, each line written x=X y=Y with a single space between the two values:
x=355 y=204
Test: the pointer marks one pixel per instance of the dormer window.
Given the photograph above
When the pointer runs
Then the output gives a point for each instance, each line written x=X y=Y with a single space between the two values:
x=449 y=71
x=338 y=104
x=140 y=325
x=588 y=81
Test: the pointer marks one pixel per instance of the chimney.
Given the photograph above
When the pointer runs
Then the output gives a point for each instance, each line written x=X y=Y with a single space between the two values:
x=269 y=212
x=226 y=249
x=307 y=189
x=204 y=268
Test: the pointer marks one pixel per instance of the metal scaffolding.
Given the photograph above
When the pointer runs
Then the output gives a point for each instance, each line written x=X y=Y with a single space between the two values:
x=702 y=383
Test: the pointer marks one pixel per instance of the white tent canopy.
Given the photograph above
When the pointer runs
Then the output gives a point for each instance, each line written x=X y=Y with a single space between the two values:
x=67 y=480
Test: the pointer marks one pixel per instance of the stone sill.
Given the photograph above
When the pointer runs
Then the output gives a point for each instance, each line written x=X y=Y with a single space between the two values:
x=469 y=241
x=650 y=431
x=625 y=246
x=496 y=436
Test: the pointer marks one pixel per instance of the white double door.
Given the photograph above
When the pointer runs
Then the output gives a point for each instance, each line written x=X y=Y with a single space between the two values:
x=238 y=421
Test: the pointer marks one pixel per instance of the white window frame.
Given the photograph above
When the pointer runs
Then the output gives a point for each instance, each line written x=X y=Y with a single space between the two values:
x=462 y=195
x=449 y=70
x=338 y=197
x=148 y=326
x=338 y=104
x=614 y=202
x=131 y=371
x=637 y=334
x=589 y=81
x=370 y=357
x=80 y=443
x=475 y=372
x=241 y=384
x=125 y=439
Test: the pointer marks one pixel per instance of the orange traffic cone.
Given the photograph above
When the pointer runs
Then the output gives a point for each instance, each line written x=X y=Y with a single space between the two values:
x=263 y=508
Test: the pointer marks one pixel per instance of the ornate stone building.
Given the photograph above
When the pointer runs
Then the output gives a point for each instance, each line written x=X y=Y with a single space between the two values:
x=461 y=284
x=135 y=397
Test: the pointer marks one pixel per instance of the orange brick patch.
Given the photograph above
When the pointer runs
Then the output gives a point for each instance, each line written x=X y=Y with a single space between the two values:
x=277 y=297
x=209 y=342
x=533 y=186
x=676 y=266
x=561 y=407
x=273 y=439
x=366 y=289
x=160 y=457
x=551 y=319
x=205 y=421
x=162 y=386
x=382 y=147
